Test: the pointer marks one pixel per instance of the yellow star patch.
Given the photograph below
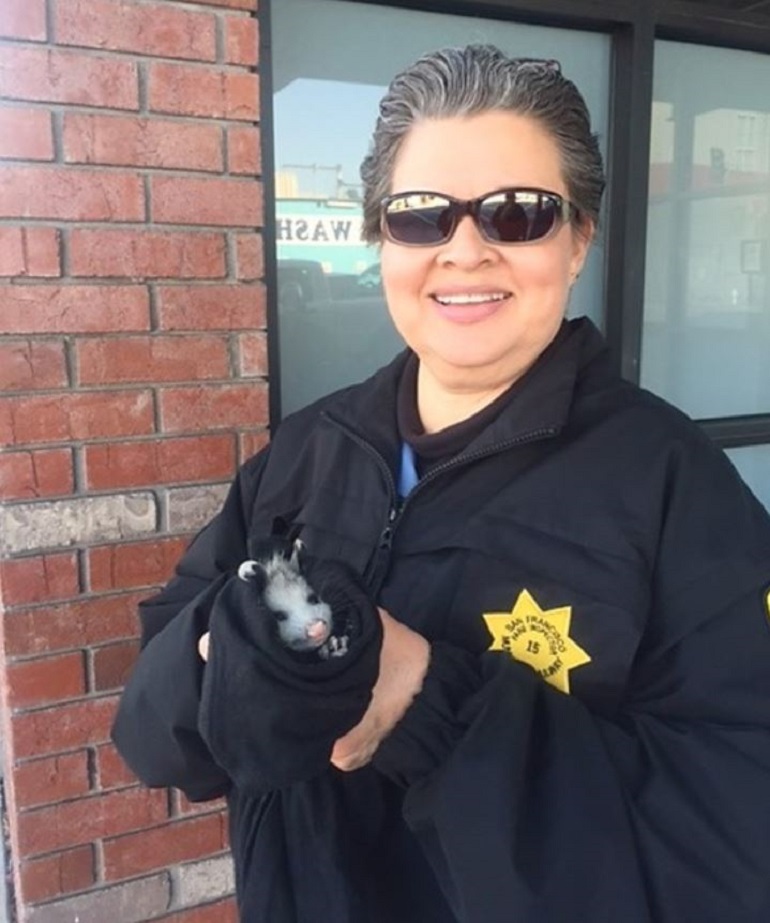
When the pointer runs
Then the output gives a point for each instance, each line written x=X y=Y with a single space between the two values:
x=539 y=637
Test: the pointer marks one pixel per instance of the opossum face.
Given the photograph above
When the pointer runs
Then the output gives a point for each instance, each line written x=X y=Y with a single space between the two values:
x=304 y=621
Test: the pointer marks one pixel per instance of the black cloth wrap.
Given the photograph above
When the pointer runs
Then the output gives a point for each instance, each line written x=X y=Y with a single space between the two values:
x=270 y=716
x=435 y=721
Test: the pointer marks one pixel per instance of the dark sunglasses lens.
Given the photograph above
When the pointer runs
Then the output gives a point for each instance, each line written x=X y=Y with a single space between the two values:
x=518 y=216
x=419 y=219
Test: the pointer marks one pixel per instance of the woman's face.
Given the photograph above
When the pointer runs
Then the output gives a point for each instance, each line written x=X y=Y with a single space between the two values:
x=437 y=295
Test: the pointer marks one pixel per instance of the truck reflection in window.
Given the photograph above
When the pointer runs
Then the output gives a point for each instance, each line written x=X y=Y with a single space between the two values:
x=303 y=285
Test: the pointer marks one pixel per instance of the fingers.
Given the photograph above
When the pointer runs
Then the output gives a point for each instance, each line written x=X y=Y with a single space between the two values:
x=356 y=748
x=351 y=762
x=403 y=663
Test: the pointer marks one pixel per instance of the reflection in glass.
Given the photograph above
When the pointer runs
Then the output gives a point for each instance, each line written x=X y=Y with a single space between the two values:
x=707 y=299
x=753 y=463
x=329 y=76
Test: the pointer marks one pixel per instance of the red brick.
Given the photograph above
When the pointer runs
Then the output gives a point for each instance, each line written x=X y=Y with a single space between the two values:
x=29 y=365
x=151 y=358
x=113 y=665
x=168 y=845
x=134 y=565
x=23 y=19
x=45 y=681
x=77 y=624
x=241 y=40
x=111 y=771
x=252 y=354
x=243 y=154
x=131 y=141
x=151 y=29
x=72 y=823
x=73 y=416
x=33 y=580
x=251 y=443
x=75 y=308
x=29 y=252
x=70 y=194
x=58 y=874
x=62 y=727
x=147 y=254
x=26 y=134
x=212 y=407
x=164 y=461
x=183 y=90
x=190 y=200
x=211 y=307
x=249 y=259
x=25 y=475
x=55 y=778
x=55 y=76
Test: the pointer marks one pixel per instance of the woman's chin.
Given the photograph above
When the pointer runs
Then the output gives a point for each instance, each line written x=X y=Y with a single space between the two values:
x=471 y=363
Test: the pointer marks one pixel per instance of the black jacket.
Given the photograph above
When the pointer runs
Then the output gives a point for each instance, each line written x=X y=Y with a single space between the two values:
x=625 y=778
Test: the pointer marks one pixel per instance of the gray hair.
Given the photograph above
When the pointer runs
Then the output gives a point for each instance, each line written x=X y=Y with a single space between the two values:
x=473 y=80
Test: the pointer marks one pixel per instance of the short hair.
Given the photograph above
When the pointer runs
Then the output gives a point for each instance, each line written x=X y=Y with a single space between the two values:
x=471 y=81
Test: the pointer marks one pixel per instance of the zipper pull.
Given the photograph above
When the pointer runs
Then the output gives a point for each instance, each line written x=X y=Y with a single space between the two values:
x=386 y=536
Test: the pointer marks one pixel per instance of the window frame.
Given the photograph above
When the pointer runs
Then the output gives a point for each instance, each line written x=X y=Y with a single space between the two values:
x=633 y=28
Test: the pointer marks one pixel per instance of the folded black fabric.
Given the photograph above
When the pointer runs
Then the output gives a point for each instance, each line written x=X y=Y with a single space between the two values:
x=269 y=715
x=435 y=721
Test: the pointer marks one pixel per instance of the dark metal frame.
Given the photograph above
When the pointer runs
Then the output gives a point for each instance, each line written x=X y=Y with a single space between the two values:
x=633 y=26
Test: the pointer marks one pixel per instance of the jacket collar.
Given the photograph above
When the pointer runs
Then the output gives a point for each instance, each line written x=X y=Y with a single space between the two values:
x=540 y=405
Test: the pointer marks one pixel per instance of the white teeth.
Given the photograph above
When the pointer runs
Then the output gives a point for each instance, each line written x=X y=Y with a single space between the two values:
x=478 y=298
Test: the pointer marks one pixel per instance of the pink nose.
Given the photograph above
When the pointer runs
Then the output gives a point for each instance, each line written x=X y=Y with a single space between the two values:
x=317 y=630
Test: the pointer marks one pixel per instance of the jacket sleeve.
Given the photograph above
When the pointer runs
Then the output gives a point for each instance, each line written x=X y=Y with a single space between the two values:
x=530 y=805
x=156 y=726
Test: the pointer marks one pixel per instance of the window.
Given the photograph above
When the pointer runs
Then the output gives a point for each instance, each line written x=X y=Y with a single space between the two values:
x=328 y=77
x=707 y=298
x=753 y=463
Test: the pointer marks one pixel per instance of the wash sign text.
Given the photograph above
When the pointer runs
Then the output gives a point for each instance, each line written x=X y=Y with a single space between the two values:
x=319 y=229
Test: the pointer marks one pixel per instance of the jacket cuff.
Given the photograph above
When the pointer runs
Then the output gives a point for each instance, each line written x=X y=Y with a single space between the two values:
x=431 y=728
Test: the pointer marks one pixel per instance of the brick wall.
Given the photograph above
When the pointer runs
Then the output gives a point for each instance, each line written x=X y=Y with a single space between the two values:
x=132 y=368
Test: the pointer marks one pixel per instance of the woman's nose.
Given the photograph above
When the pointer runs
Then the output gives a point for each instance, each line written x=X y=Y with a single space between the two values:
x=466 y=247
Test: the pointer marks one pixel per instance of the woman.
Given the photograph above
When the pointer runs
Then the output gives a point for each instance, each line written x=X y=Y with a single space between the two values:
x=571 y=717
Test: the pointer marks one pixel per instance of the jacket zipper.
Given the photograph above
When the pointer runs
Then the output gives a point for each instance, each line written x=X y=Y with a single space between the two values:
x=377 y=568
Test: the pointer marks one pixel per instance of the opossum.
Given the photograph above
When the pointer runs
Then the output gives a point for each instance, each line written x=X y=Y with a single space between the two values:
x=304 y=622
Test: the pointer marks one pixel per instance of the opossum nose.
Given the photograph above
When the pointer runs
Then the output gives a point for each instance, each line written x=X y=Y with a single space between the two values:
x=317 y=631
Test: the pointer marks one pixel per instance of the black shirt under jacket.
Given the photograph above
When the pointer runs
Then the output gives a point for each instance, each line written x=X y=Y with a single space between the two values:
x=611 y=762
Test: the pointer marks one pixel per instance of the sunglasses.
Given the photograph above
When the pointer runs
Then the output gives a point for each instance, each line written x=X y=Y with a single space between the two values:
x=507 y=216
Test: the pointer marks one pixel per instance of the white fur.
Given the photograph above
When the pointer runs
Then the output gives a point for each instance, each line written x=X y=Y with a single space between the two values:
x=307 y=625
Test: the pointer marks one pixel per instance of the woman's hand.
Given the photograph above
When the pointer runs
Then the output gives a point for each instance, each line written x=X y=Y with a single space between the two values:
x=403 y=664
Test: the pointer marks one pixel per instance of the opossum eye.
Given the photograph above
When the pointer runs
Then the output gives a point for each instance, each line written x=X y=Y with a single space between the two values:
x=313 y=599
x=280 y=616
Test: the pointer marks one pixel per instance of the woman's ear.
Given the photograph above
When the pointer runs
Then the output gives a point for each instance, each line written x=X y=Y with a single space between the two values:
x=582 y=237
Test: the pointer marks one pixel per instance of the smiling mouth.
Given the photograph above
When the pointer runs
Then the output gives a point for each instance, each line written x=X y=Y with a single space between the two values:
x=471 y=298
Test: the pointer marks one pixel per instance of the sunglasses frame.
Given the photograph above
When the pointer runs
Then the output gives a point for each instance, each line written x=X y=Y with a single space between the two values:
x=566 y=212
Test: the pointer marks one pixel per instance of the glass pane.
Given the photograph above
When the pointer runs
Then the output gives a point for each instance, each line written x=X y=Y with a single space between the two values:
x=707 y=298
x=753 y=463
x=329 y=76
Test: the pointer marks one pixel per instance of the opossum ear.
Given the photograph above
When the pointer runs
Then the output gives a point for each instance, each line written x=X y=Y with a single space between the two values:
x=259 y=578
x=254 y=572
x=297 y=550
